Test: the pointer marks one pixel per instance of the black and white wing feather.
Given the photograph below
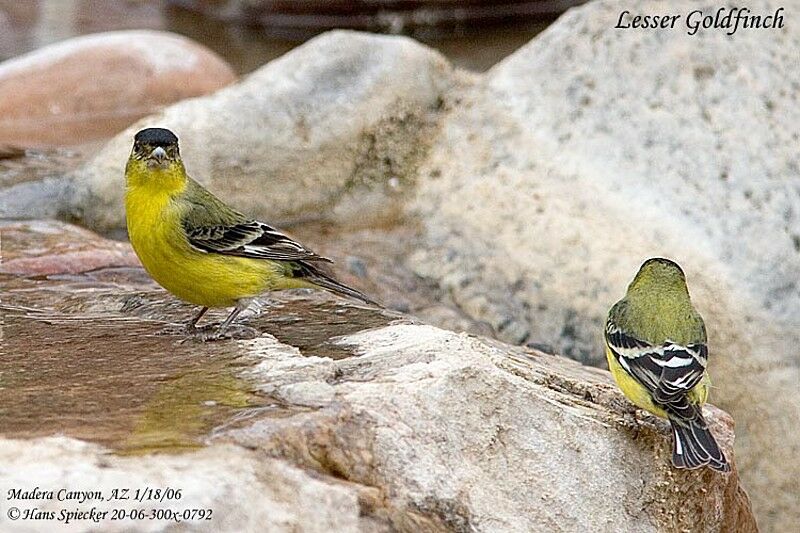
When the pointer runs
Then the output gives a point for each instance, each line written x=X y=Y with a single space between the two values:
x=249 y=239
x=210 y=226
x=669 y=371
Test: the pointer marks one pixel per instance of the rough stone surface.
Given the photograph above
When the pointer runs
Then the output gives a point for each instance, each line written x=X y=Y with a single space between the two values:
x=591 y=149
x=339 y=124
x=225 y=479
x=46 y=248
x=429 y=416
x=45 y=98
x=338 y=417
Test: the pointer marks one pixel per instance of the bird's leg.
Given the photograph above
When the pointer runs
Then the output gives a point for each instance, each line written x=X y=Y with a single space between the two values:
x=191 y=326
x=239 y=331
x=185 y=329
x=633 y=420
x=228 y=321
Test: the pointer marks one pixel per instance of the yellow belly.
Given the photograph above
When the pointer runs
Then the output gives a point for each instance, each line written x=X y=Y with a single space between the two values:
x=638 y=394
x=207 y=279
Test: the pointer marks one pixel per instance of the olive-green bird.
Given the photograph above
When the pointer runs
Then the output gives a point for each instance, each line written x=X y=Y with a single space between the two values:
x=201 y=250
x=656 y=351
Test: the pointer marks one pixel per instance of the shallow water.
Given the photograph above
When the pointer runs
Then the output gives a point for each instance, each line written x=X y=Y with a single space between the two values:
x=82 y=356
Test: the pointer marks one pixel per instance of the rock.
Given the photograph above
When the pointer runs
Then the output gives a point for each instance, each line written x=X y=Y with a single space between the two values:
x=223 y=479
x=45 y=248
x=338 y=416
x=592 y=149
x=429 y=416
x=45 y=98
x=334 y=126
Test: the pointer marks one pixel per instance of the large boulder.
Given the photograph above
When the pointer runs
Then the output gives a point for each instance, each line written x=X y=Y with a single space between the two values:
x=430 y=416
x=337 y=124
x=339 y=417
x=91 y=87
x=593 y=148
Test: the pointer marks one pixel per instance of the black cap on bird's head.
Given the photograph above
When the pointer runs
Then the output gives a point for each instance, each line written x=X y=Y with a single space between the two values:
x=156 y=137
x=158 y=146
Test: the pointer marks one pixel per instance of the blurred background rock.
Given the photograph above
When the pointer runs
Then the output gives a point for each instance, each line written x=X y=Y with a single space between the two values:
x=473 y=34
x=45 y=102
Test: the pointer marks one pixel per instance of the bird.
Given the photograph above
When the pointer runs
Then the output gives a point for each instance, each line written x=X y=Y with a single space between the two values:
x=656 y=346
x=200 y=249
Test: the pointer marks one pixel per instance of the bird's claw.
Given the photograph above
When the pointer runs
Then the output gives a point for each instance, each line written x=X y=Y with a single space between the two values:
x=181 y=329
x=234 y=332
x=632 y=420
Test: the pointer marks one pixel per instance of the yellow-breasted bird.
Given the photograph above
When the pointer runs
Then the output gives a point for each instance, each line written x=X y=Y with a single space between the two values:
x=656 y=350
x=201 y=250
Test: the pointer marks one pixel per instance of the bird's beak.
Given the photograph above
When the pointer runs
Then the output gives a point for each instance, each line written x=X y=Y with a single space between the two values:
x=158 y=158
x=159 y=154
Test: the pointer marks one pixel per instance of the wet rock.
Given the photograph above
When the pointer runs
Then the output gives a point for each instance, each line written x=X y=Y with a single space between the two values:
x=332 y=128
x=45 y=248
x=593 y=148
x=339 y=416
x=45 y=98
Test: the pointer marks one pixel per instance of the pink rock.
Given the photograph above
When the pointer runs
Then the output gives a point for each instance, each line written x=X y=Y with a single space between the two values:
x=44 y=248
x=91 y=87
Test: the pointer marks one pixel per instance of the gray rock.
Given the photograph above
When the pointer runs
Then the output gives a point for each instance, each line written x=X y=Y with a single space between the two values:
x=593 y=148
x=430 y=416
x=335 y=128
x=225 y=479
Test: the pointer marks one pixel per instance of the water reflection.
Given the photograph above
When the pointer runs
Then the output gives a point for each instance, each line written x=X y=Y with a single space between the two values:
x=186 y=407
x=82 y=357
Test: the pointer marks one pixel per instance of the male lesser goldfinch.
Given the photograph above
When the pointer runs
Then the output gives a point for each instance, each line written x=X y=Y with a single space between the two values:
x=656 y=350
x=201 y=250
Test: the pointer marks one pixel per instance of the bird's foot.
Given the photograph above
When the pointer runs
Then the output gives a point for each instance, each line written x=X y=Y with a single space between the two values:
x=182 y=330
x=233 y=332
x=632 y=420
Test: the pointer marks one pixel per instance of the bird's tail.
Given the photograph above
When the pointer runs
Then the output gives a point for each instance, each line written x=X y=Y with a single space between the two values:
x=695 y=446
x=324 y=280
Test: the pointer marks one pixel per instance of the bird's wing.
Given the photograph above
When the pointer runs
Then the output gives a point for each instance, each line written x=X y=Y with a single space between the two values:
x=211 y=226
x=249 y=239
x=669 y=371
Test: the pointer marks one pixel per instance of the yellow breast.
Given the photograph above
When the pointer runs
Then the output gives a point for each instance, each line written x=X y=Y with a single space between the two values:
x=210 y=280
